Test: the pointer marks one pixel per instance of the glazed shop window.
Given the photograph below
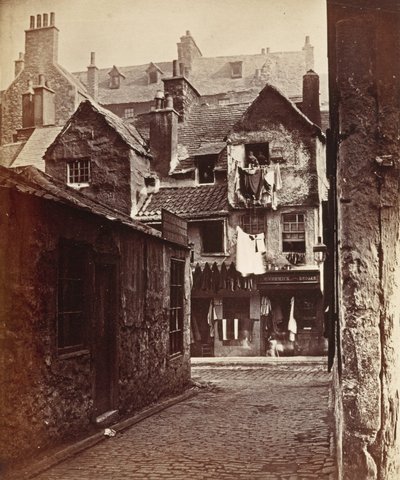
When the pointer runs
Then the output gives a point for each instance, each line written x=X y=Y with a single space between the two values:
x=176 y=306
x=212 y=237
x=78 y=172
x=253 y=224
x=293 y=233
x=72 y=305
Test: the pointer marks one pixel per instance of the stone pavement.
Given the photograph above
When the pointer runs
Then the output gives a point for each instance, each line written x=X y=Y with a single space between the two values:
x=249 y=421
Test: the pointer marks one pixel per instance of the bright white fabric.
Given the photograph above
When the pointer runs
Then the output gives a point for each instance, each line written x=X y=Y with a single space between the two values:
x=236 y=328
x=250 y=253
x=292 y=324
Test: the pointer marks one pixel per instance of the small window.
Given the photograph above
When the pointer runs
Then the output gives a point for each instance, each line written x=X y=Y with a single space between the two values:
x=78 y=172
x=224 y=101
x=176 y=312
x=258 y=150
x=236 y=69
x=115 y=81
x=253 y=224
x=72 y=307
x=293 y=233
x=205 y=169
x=129 y=112
x=153 y=76
x=212 y=237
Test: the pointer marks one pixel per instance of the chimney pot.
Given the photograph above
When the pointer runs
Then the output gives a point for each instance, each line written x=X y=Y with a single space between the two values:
x=188 y=33
x=175 y=72
x=307 y=40
x=258 y=73
x=41 y=79
x=92 y=58
x=159 y=94
x=268 y=49
x=52 y=18
x=38 y=21
x=187 y=72
x=45 y=20
x=32 y=22
x=169 y=101
x=181 y=69
x=263 y=51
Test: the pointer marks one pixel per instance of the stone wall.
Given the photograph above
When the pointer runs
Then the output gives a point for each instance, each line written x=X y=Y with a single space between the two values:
x=48 y=397
x=364 y=53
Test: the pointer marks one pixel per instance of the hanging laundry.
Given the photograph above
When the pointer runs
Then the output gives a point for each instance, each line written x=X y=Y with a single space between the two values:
x=211 y=317
x=265 y=308
x=292 y=324
x=236 y=328
x=215 y=277
x=223 y=279
x=197 y=277
x=224 y=329
x=218 y=308
x=250 y=253
x=233 y=278
x=206 y=277
x=255 y=308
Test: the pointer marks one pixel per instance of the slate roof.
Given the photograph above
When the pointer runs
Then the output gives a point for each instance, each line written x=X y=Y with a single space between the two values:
x=31 y=181
x=9 y=152
x=209 y=75
x=35 y=147
x=187 y=202
x=126 y=131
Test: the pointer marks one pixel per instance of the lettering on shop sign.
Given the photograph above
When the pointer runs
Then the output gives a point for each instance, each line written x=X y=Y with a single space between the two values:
x=289 y=278
x=174 y=228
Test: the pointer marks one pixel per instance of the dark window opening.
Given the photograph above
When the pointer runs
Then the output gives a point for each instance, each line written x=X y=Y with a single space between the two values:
x=293 y=233
x=78 y=171
x=253 y=224
x=153 y=76
x=115 y=81
x=258 y=150
x=72 y=306
x=236 y=69
x=205 y=168
x=212 y=237
x=176 y=312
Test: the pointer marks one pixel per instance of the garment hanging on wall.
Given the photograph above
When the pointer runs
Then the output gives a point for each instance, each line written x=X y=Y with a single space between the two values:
x=250 y=253
x=265 y=308
x=197 y=277
x=224 y=334
x=215 y=277
x=206 y=277
x=236 y=328
x=223 y=276
x=218 y=308
x=292 y=324
x=211 y=316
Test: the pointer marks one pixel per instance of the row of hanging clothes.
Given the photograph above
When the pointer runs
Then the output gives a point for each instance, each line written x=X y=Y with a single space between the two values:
x=228 y=328
x=258 y=185
x=274 y=318
x=215 y=278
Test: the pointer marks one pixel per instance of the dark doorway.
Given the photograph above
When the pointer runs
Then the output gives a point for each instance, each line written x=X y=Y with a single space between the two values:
x=203 y=343
x=104 y=336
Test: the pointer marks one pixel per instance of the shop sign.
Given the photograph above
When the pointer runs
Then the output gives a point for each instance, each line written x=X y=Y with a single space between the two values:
x=289 y=277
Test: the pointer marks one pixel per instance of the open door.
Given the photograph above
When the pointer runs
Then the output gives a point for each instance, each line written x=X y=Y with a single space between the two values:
x=105 y=337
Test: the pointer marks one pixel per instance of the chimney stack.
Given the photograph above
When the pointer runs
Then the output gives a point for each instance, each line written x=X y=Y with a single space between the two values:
x=187 y=50
x=310 y=104
x=41 y=42
x=19 y=64
x=175 y=68
x=263 y=51
x=308 y=50
x=44 y=106
x=93 y=77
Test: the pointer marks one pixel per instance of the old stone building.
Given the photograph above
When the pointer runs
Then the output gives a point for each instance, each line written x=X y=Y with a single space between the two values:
x=364 y=66
x=202 y=161
x=94 y=317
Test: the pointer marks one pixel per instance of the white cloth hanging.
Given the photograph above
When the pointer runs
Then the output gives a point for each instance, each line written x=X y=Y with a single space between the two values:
x=292 y=324
x=211 y=316
x=250 y=253
x=236 y=328
x=224 y=335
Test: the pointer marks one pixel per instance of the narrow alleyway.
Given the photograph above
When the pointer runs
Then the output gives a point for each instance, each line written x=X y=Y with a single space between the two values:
x=250 y=421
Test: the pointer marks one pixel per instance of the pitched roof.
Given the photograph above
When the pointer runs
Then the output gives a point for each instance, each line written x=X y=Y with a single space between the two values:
x=126 y=131
x=32 y=181
x=9 y=152
x=209 y=75
x=35 y=147
x=188 y=202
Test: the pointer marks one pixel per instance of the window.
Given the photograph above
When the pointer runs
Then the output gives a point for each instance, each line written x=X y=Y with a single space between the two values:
x=205 y=169
x=114 y=81
x=72 y=307
x=129 y=112
x=260 y=151
x=153 y=76
x=176 y=312
x=78 y=172
x=212 y=236
x=293 y=233
x=253 y=223
x=236 y=69
x=224 y=101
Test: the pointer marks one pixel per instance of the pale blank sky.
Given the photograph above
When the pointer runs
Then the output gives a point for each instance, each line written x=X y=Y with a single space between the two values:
x=132 y=32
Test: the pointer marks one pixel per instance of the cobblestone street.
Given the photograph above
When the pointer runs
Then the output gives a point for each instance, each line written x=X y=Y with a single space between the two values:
x=267 y=421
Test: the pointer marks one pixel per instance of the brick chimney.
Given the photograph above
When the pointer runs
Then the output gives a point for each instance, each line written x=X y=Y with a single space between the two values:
x=187 y=50
x=41 y=42
x=93 y=77
x=182 y=92
x=19 y=64
x=163 y=134
x=38 y=109
x=310 y=105
x=308 y=50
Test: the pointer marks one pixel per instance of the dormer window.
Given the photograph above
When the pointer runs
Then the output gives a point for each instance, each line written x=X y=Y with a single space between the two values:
x=257 y=154
x=205 y=169
x=115 y=77
x=236 y=69
x=78 y=173
x=153 y=73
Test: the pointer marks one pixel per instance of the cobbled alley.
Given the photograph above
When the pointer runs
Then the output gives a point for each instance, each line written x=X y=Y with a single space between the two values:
x=250 y=420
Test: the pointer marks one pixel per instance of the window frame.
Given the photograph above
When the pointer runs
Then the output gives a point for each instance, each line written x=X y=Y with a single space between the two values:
x=210 y=160
x=131 y=111
x=202 y=226
x=236 y=69
x=176 y=306
x=86 y=180
x=256 y=148
x=66 y=250
x=294 y=231
x=255 y=220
